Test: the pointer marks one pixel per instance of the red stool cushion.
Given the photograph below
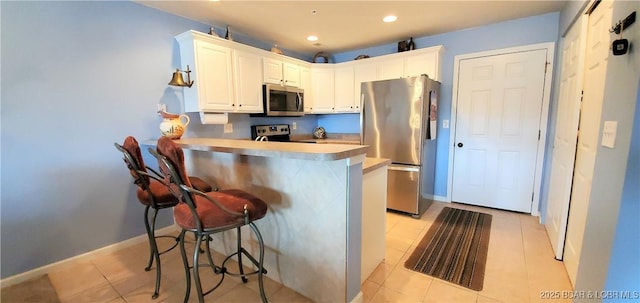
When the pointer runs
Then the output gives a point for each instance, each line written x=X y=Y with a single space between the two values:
x=211 y=216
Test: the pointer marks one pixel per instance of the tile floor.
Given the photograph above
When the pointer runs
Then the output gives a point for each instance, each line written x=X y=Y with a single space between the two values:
x=520 y=265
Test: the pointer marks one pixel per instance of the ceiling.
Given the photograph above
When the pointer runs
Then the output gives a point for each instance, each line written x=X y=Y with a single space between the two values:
x=349 y=25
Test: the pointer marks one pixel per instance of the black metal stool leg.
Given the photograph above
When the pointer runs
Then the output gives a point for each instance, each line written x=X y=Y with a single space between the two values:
x=241 y=270
x=149 y=235
x=156 y=254
x=196 y=271
x=261 y=262
x=185 y=262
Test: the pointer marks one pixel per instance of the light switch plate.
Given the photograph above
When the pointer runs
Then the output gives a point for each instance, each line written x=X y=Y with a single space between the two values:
x=228 y=128
x=609 y=133
x=294 y=125
x=445 y=123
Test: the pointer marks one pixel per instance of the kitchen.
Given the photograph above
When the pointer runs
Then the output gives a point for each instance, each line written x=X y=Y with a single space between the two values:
x=71 y=77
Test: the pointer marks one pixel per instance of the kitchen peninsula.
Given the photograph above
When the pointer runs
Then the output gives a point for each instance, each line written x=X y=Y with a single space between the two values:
x=313 y=229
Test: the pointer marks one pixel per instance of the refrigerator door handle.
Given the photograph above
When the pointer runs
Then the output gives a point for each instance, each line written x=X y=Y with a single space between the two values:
x=404 y=168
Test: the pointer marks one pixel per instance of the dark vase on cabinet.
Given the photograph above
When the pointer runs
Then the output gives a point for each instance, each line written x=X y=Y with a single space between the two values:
x=411 y=45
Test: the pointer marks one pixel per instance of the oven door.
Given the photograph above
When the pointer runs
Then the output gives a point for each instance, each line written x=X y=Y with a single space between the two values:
x=283 y=101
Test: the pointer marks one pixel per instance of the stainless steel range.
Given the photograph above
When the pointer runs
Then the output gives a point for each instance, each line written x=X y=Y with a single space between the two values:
x=274 y=132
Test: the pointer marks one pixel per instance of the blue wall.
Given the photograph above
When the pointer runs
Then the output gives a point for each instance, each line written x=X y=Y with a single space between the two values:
x=77 y=77
x=532 y=30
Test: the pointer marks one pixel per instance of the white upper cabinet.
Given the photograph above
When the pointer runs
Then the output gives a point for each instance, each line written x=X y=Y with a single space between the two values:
x=307 y=87
x=291 y=74
x=323 y=88
x=248 y=80
x=363 y=73
x=391 y=69
x=211 y=65
x=228 y=76
x=423 y=63
x=280 y=72
x=344 y=90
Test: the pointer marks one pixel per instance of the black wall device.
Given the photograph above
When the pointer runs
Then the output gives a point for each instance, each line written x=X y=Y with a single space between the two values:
x=620 y=47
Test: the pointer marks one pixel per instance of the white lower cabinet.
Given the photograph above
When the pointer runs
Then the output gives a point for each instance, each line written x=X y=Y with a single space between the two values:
x=374 y=218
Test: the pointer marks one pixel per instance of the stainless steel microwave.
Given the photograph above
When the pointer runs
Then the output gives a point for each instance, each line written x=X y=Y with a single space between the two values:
x=282 y=100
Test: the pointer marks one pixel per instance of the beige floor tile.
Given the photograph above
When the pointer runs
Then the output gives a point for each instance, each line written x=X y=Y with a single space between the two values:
x=408 y=282
x=392 y=296
x=286 y=295
x=399 y=243
x=239 y=293
x=393 y=256
x=103 y=293
x=369 y=289
x=75 y=279
x=381 y=273
x=483 y=299
x=441 y=291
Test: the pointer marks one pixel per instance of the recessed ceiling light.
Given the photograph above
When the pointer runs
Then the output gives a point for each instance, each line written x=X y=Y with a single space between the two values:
x=389 y=18
x=312 y=38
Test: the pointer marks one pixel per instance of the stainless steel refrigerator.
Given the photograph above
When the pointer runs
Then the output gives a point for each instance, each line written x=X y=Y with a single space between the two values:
x=398 y=122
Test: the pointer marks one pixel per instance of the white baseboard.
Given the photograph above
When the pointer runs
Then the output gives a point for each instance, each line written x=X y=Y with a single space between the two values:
x=441 y=199
x=15 y=279
x=359 y=298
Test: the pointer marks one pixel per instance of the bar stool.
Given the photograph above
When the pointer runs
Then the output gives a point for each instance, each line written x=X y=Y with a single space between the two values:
x=205 y=214
x=153 y=193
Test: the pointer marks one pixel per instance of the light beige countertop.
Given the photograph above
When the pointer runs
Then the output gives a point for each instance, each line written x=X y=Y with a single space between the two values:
x=319 y=152
x=371 y=164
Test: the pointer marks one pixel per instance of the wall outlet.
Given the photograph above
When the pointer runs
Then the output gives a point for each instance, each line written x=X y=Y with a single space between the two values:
x=294 y=125
x=228 y=128
x=162 y=107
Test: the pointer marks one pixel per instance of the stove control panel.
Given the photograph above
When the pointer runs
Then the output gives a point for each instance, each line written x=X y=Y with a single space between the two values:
x=270 y=130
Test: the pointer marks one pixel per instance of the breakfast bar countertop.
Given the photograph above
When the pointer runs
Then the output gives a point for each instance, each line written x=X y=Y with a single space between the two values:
x=371 y=164
x=318 y=152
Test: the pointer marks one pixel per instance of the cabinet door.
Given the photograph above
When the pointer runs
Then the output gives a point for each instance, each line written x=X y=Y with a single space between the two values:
x=272 y=71
x=214 y=78
x=305 y=84
x=291 y=74
x=422 y=64
x=363 y=73
x=343 y=77
x=322 y=82
x=248 y=80
x=391 y=69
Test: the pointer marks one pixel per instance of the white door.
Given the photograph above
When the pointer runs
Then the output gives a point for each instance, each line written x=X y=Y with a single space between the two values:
x=497 y=129
x=594 y=81
x=566 y=134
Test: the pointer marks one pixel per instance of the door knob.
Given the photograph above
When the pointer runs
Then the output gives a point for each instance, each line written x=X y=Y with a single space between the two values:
x=460 y=144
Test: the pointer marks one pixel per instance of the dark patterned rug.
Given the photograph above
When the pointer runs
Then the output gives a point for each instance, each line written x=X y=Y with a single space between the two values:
x=35 y=290
x=455 y=248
